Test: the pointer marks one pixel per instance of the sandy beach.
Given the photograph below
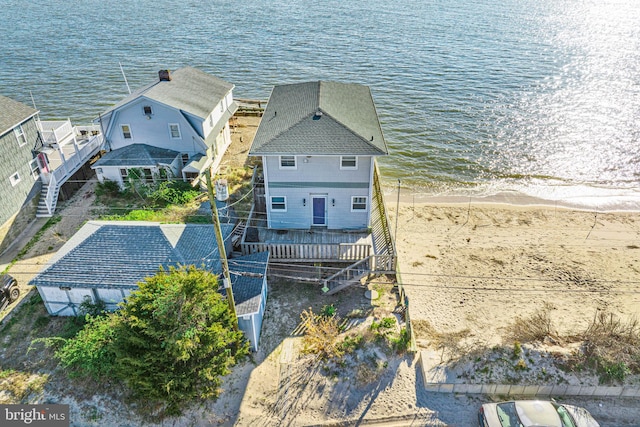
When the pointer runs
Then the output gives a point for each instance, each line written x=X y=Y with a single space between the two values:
x=478 y=266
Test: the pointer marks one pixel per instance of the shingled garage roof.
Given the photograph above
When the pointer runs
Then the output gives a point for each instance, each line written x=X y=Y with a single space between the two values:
x=321 y=118
x=189 y=90
x=13 y=113
x=137 y=155
x=247 y=275
x=117 y=254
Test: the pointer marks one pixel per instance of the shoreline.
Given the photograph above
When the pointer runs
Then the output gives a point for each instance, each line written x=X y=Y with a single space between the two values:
x=504 y=199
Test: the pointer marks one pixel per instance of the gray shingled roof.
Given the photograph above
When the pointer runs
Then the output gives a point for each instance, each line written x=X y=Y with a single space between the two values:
x=112 y=254
x=13 y=113
x=190 y=90
x=137 y=155
x=348 y=124
x=247 y=275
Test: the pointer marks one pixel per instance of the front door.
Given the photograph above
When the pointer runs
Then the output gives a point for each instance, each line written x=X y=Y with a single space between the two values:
x=319 y=204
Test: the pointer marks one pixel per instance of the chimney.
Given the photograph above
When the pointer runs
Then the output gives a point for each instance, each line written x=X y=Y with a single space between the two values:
x=164 y=75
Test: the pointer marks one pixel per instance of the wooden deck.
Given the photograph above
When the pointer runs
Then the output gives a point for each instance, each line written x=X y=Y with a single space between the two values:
x=307 y=245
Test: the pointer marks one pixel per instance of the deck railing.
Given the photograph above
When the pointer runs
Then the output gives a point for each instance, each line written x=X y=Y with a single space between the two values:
x=310 y=251
x=72 y=163
x=53 y=132
x=61 y=174
x=380 y=230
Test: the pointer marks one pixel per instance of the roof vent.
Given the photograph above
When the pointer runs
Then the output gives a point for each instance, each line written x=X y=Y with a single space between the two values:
x=317 y=115
x=164 y=75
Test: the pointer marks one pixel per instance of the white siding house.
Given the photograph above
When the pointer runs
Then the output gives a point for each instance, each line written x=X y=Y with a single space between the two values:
x=318 y=142
x=186 y=112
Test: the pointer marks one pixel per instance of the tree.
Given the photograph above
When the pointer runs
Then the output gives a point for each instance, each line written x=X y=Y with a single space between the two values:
x=171 y=342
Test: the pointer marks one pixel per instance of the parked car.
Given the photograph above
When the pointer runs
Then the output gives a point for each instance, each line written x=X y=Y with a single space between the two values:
x=526 y=413
x=9 y=291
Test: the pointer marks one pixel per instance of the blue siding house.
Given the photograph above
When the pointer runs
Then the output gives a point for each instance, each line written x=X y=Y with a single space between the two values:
x=184 y=115
x=318 y=142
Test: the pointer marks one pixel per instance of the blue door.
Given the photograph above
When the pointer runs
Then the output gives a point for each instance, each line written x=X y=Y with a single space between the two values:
x=319 y=211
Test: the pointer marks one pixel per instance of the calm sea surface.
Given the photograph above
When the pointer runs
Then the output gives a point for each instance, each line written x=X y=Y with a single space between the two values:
x=476 y=97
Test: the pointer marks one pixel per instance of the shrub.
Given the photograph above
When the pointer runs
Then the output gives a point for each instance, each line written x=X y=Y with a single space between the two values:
x=174 y=192
x=170 y=343
x=107 y=188
x=321 y=335
x=328 y=310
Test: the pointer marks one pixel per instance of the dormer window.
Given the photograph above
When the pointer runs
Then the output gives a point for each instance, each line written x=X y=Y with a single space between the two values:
x=148 y=111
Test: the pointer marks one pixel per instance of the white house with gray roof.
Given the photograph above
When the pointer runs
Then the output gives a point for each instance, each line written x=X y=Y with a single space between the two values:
x=318 y=142
x=184 y=114
x=105 y=260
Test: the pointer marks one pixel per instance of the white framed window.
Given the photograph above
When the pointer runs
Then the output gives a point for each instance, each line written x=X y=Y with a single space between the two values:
x=147 y=110
x=15 y=179
x=19 y=132
x=174 y=131
x=279 y=203
x=35 y=169
x=358 y=203
x=124 y=173
x=126 y=131
x=288 y=162
x=185 y=159
x=348 y=162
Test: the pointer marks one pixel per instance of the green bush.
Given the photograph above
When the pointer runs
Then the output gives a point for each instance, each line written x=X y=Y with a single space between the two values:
x=107 y=188
x=170 y=343
x=174 y=193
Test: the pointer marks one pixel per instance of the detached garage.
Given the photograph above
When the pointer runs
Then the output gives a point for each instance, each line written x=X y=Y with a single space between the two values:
x=105 y=260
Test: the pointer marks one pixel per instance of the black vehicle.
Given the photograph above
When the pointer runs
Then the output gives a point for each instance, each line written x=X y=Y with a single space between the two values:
x=9 y=291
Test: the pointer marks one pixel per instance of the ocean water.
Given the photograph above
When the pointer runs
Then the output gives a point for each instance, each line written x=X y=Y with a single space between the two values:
x=536 y=98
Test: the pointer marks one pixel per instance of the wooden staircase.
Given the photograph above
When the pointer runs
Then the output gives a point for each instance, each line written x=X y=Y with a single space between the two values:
x=347 y=276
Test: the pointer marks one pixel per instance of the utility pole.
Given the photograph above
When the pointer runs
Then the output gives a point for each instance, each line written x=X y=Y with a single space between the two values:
x=223 y=253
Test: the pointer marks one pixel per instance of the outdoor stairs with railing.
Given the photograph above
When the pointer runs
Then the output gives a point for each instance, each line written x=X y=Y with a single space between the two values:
x=348 y=276
x=43 y=210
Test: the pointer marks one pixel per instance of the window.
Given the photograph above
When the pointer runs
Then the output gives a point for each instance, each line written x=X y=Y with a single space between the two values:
x=174 y=130
x=35 y=169
x=287 y=162
x=124 y=173
x=279 y=203
x=22 y=139
x=148 y=111
x=348 y=162
x=148 y=176
x=15 y=179
x=358 y=203
x=126 y=131
x=185 y=159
